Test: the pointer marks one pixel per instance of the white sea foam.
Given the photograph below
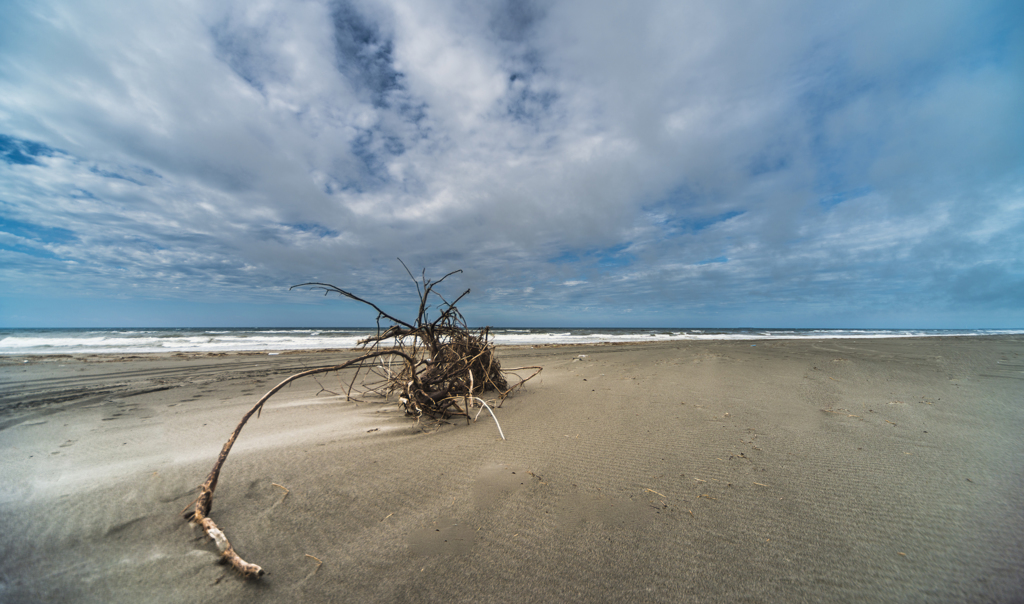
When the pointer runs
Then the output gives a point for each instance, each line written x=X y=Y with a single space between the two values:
x=121 y=341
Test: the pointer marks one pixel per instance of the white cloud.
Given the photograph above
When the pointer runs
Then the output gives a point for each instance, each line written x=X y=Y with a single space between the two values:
x=226 y=145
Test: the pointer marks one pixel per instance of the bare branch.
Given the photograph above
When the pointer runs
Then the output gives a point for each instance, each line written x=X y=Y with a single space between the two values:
x=431 y=366
x=328 y=288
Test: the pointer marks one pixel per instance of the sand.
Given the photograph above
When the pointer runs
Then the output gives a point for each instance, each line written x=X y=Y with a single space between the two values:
x=887 y=470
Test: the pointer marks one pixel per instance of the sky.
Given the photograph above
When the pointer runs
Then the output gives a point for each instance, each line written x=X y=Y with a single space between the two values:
x=584 y=162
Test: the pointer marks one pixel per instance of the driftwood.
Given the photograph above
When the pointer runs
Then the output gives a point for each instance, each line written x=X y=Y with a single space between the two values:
x=431 y=365
x=452 y=363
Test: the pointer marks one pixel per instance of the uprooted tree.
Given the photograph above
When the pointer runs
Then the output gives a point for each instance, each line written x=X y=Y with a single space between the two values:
x=436 y=367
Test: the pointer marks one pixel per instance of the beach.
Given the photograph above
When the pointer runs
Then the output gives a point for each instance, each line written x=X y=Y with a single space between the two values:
x=853 y=470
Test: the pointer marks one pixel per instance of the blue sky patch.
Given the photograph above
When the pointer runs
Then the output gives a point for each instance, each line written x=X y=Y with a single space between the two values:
x=23 y=152
x=37 y=232
x=838 y=198
x=718 y=260
x=364 y=55
x=107 y=174
x=694 y=224
x=313 y=228
x=609 y=257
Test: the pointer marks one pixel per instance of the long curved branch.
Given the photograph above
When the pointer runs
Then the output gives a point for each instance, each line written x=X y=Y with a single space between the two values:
x=204 y=502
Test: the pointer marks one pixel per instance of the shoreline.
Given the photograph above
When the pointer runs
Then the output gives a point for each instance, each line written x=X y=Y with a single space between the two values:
x=880 y=469
x=4 y=357
x=277 y=341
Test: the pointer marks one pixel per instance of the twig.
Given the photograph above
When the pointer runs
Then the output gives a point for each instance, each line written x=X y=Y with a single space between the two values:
x=328 y=288
x=484 y=403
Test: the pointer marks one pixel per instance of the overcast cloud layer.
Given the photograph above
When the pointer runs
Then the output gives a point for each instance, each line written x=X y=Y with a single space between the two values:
x=666 y=163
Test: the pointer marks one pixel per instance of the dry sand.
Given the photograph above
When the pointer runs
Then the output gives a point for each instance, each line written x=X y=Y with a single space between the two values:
x=773 y=471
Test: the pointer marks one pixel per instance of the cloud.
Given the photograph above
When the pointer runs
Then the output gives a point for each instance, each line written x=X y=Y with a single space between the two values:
x=684 y=158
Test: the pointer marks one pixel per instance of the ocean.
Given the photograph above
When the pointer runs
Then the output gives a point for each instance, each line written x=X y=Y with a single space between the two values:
x=202 y=340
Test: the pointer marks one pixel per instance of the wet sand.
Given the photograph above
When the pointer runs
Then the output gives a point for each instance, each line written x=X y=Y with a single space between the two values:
x=888 y=470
